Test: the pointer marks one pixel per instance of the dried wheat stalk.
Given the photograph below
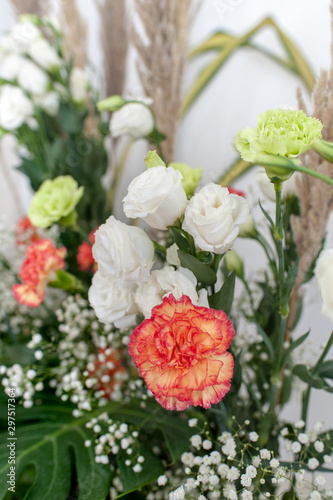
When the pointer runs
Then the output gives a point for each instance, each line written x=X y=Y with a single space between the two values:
x=75 y=33
x=316 y=197
x=114 y=38
x=37 y=7
x=161 y=61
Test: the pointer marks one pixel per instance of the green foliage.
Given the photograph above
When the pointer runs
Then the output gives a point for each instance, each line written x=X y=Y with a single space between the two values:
x=204 y=274
x=223 y=299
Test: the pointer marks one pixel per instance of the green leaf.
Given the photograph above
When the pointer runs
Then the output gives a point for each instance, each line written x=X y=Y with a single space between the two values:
x=52 y=447
x=267 y=341
x=293 y=346
x=152 y=468
x=326 y=369
x=71 y=119
x=229 y=44
x=290 y=281
x=303 y=373
x=204 y=274
x=266 y=214
x=183 y=240
x=223 y=299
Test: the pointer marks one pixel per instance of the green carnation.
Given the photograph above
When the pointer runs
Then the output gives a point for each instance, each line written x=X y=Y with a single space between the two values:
x=55 y=201
x=283 y=132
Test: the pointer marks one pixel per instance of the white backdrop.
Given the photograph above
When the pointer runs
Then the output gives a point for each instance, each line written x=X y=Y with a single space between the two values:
x=248 y=85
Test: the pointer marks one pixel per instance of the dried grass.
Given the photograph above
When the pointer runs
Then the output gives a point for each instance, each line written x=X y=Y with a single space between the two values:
x=161 y=61
x=75 y=33
x=37 y=7
x=114 y=39
x=316 y=197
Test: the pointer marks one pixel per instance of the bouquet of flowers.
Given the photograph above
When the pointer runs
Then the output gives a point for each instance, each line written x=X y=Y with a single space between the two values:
x=138 y=359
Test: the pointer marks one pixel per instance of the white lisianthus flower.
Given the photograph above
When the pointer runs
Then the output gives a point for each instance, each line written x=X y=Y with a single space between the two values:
x=156 y=196
x=324 y=275
x=112 y=301
x=162 y=283
x=15 y=107
x=78 y=85
x=134 y=119
x=11 y=66
x=20 y=37
x=49 y=102
x=43 y=54
x=122 y=251
x=267 y=188
x=32 y=79
x=213 y=217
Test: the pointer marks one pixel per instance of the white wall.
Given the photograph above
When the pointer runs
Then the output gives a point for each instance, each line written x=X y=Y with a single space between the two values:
x=248 y=85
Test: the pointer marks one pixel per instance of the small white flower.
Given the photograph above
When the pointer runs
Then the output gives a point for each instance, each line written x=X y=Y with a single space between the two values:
x=315 y=495
x=299 y=424
x=162 y=480
x=192 y=422
x=223 y=470
x=214 y=480
x=327 y=459
x=256 y=461
x=296 y=447
x=274 y=463
x=265 y=454
x=49 y=102
x=233 y=474
x=38 y=354
x=247 y=495
x=253 y=436
x=196 y=440
x=137 y=468
x=246 y=480
x=207 y=445
x=313 y=463
x=303 y=438
x=320 y=479
x=178 y=494
x=32 y=79
x=251 y=471
x=319 y=446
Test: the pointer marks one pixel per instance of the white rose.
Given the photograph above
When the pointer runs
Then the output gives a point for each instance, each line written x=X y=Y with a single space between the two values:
x=78 y=85
x=162 y=283
x=49 y=102
x=32 y=79
x=324 y=275
x=112 y=301
x=43 y=54
x=213 y=217
x=15 y=107
x=267 y=188
x=11 y=66
x=134 y=119
x=156 y=196
x=125 y=252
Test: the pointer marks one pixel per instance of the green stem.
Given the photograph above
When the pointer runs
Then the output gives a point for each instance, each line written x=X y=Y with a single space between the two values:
x=307 y=392
x=275 y=379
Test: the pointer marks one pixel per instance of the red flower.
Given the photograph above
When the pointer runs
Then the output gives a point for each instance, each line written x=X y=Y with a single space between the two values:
x=84 y=256
x=108 y=370
x=25 y=232
x=236 y=191
x=181 y=352
x=38 y=269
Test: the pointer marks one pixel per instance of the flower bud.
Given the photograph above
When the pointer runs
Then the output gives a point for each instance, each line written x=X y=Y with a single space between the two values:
x=191 y=176
x=112 y=103
x=153 y=160
x=233 y=262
